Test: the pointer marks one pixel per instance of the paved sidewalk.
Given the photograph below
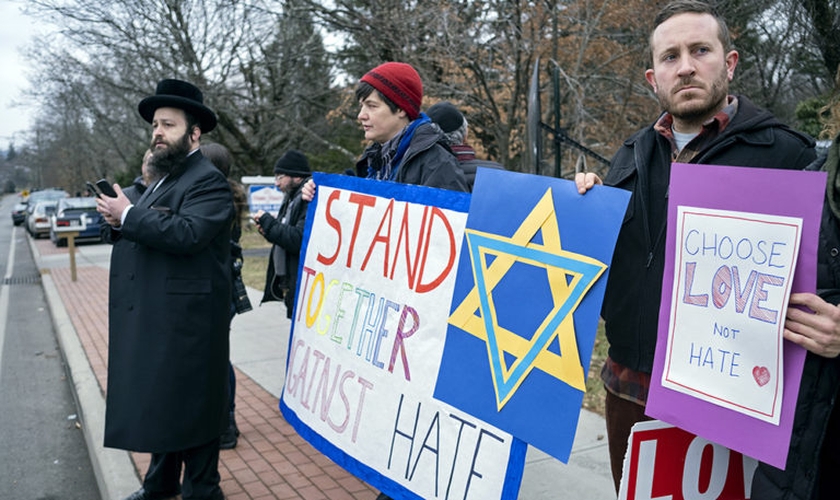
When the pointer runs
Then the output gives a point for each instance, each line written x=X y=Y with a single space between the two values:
x=271 y=461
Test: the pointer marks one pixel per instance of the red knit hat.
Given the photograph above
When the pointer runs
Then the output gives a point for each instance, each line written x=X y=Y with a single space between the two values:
x=400 y=83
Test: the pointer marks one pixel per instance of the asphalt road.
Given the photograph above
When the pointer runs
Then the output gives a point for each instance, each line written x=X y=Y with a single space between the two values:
x=42 y=449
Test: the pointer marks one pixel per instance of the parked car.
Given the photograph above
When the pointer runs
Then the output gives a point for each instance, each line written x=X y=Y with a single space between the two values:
x=49 y=194
x=77 y=213
x=46 y=194
x=18 y=213
x=38 y=217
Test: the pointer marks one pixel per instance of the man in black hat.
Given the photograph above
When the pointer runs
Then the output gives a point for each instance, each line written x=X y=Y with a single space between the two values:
x=169 y=301
x=285 y=231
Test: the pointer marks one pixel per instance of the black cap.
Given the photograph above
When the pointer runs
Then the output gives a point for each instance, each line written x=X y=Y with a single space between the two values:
x=447 y=116
x=293 y=163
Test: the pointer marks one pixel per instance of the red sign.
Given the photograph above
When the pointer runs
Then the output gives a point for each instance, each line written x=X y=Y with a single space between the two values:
x=664 y=462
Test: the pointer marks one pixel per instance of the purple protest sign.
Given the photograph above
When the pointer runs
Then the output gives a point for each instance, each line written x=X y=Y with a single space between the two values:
x=773 y=193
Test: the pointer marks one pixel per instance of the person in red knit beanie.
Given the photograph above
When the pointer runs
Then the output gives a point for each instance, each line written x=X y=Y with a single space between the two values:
x=405 y=145
x=400 y=83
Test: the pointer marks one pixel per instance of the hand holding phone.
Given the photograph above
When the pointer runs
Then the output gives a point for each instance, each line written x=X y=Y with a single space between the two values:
x=106 y=188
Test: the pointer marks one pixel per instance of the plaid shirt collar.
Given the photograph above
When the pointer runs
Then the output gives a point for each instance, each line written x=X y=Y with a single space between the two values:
x=711 y=129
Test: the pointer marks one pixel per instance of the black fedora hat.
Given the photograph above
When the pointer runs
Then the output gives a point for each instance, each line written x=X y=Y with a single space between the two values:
x=179 y=94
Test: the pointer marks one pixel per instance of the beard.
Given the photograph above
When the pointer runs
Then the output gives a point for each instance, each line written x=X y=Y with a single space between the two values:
x=292 y=186
x=697 y=112
x=170 y=160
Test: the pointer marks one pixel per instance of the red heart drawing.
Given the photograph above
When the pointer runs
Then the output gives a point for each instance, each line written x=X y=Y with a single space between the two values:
x=761 y=375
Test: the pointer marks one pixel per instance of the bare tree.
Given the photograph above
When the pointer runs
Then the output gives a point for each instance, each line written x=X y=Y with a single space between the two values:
x=265 y=73
x=275 y=84
x=480 y=54
x=824 y=16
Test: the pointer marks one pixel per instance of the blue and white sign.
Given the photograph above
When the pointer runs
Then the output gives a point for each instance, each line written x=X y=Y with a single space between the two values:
x=264 y=197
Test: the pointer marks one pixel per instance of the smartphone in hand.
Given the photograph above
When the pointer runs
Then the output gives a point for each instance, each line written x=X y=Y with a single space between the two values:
x=106 y=188
x=92 y=189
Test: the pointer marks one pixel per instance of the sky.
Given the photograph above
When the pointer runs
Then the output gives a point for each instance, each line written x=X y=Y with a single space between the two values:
x=16 y=30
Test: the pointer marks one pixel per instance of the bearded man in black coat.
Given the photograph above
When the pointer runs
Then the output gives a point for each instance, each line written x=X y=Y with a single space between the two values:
x=169 y=301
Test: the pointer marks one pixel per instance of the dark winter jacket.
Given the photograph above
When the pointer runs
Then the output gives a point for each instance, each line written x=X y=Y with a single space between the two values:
x=754 y=138
x=286 y=233
x=469 y=163
x=427 y=162
x=816 y=424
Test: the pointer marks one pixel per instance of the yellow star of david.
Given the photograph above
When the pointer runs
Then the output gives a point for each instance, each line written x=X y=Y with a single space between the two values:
x=570 y=277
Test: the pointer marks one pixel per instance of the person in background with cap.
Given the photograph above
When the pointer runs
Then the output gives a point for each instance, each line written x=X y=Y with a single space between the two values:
x=169 y=302
x=405 y=146
x=454 y=126
x=286 y=230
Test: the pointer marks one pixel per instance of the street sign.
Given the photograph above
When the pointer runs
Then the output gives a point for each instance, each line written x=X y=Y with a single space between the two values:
x=264 y=197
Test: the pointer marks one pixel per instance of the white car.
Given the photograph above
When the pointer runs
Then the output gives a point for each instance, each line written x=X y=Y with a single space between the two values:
x=38 y=217
x=75 y=213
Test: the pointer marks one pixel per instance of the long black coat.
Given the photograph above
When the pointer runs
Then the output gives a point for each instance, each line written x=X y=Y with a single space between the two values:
x=169 y=306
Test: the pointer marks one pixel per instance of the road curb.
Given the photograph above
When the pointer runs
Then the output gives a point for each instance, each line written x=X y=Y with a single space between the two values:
x=114 y=470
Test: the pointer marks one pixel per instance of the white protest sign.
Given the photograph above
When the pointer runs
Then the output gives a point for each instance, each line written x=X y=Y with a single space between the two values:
x=368 y=336
x=732 y=279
